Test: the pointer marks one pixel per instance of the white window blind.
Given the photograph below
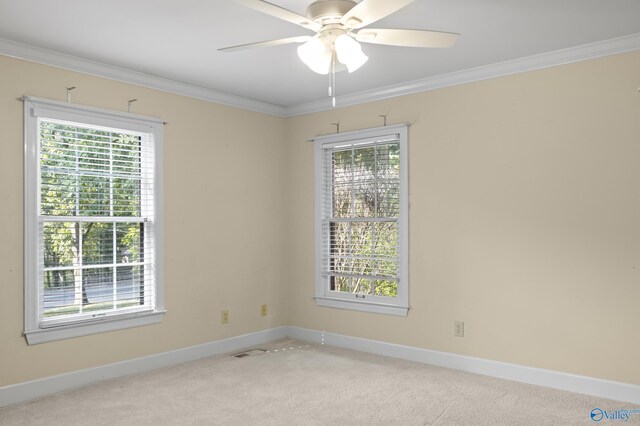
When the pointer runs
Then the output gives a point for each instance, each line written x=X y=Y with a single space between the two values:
x=361 y=220
x=95 y=219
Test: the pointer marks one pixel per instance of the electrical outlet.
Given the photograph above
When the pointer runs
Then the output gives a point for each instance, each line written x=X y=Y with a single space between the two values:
x=263 y=310
x=224 y=317
x=458 y=328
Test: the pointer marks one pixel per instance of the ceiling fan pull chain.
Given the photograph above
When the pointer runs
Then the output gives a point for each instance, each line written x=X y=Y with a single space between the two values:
x=332 y=81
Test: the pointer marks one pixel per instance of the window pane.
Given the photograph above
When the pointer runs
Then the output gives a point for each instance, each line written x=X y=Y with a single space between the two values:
x=361 y=238
x=386 y=239
x=130 y=290
x=362 y=265
x=364 y=181
x=98 y=285
x=365 y=198
x=126 y=155
x=386 y=288
x=361 y=286
x=56 y=151
x=341 y=284
x=388 y=180
x=342 y=196
x=351 y=285
x=74 y=148
x=60 y=244
x=97 y=243
x=59 y=293
x=94 y=195
x=388 y=202
x=93 y=149
x=386 y=268
x=126 y=197
x=364 y=161
x=129 y=246
x=341 y=261
x=58 y=194
x=341 y=180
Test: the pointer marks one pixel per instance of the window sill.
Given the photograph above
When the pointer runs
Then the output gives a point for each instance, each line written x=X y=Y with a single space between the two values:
x=359 y=305
x=103 y=325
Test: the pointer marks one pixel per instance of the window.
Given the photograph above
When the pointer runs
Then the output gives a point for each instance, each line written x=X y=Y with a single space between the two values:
x=93 y=220
x=362 y=220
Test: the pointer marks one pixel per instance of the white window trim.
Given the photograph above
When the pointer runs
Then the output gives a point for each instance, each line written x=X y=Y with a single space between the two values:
x=33 y=109
x=399 y=305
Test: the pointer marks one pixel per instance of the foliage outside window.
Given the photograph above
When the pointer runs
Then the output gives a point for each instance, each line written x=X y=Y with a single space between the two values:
x=93 y=228
x=361 y=220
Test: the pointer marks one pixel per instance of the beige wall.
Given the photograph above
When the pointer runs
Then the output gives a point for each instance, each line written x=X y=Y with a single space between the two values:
x=223 y=223
x=524 y=219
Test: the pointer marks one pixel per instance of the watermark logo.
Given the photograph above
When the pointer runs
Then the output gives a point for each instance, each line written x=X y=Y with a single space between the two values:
x=598 y=414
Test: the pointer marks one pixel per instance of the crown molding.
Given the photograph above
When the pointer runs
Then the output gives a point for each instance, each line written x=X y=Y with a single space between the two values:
x=545 y=60
x=74 y=63
x=500 y=69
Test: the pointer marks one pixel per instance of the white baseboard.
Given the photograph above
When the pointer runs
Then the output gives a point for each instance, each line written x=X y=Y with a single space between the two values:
x=25 y=391
x=536 y=376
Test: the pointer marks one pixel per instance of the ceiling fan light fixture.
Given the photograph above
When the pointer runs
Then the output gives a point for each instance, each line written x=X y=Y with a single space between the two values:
x=339 y=26
x=315 y=55
x=349 y=52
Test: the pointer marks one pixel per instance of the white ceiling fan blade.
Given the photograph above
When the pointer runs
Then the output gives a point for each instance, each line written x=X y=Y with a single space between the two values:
x=408 y=38
x=369 y=11
x=300 y=39
x=281 y=13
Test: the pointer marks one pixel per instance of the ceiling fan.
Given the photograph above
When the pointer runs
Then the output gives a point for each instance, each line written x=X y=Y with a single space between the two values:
x=339 y=26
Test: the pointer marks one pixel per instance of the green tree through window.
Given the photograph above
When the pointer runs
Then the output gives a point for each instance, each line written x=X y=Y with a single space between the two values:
x=90 y=173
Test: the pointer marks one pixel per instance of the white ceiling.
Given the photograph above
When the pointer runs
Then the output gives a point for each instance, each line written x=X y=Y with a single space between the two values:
x=178 y=40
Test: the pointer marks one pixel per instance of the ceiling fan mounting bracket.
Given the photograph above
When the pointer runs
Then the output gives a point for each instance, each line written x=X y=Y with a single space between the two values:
x=329 y=11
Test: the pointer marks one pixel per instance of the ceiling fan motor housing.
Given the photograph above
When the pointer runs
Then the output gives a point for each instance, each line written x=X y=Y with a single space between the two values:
x=329 y=11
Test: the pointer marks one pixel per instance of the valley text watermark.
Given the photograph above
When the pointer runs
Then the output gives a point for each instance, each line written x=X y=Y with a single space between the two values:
x=598 y=414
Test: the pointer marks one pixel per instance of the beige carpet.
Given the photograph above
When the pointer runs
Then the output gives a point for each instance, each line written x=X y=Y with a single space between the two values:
x=296 y=383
